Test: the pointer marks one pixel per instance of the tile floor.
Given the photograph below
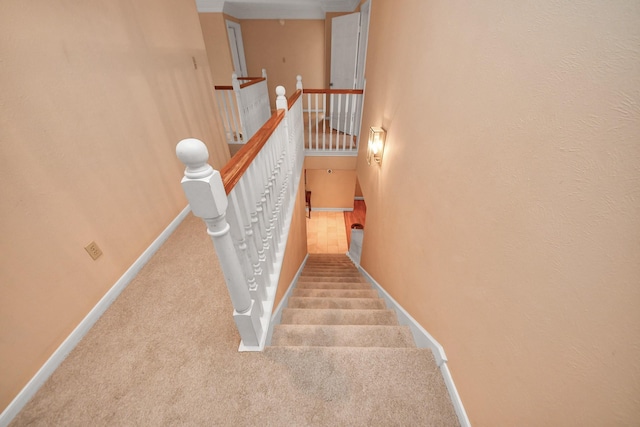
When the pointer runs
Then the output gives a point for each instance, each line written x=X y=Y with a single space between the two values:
x=326 y=233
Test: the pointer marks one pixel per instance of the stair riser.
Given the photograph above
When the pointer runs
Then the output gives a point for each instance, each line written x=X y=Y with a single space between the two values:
x=354 y=279
x=333 y=285
x=342 y=336
x=291 y=316
x=335 y=293
x=340 y=303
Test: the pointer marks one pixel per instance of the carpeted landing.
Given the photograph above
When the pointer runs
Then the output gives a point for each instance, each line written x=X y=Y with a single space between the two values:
x=165 y=354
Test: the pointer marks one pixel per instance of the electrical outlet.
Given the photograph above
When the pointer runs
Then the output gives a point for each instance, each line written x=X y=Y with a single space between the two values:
x=93 y=250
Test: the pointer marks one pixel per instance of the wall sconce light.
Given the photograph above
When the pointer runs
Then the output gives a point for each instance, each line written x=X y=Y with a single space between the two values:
x=376 y=144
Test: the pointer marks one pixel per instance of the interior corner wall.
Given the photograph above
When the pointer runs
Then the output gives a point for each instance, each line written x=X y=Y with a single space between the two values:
x=505 y=217
x=285 y=49
x=331 y=190
x=296 y=249
x=216 y=41
x=95 y=98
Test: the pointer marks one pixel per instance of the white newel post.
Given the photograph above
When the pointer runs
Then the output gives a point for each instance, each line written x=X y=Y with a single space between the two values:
x=298 y=82
x=208 y=200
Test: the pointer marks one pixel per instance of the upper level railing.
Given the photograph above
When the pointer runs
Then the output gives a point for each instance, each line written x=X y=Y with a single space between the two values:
x=244 y=107
x=247 y=207
x=331 y=120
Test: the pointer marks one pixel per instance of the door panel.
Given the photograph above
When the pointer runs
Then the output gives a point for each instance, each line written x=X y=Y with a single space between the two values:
x=237 y=48
x=345 y=31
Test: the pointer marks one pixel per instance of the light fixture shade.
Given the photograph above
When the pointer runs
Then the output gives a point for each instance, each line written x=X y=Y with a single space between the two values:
x=376 y=144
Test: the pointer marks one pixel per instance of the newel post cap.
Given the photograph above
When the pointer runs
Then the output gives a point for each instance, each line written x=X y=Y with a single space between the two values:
x=281 y=100
x=201 y=183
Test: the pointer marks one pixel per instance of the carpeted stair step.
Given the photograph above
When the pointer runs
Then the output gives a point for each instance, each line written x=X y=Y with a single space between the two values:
x=342 y=336
x=385 y=386
x=332 y=279
x=333 y=285
x=310 y=316
x=341 y=303
x=335 y=293
x=329 y=273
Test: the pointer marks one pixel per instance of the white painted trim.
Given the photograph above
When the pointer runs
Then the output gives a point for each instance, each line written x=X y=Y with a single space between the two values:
x=330 y=209
x=277 y=314
x=455 y=397
x=423 y=339
x=85 y=325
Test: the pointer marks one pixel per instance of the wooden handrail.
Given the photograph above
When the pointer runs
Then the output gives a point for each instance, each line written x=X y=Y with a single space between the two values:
x=336 y=91
x=237 y=166
x=294 y=98
x=252 y=82
x=243 y=85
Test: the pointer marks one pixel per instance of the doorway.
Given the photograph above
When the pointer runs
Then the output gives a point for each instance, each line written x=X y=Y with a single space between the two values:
x=237 y=48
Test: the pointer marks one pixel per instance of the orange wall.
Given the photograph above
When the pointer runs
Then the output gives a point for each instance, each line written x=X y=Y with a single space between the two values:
x=95 y=97
x=297 y=47
x=331 y=190
x=296 y=248
x=505 y=216
x=214 y=32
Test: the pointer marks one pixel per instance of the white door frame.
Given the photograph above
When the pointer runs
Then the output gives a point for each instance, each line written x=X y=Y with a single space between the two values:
x=234 y=33
x=365 y=13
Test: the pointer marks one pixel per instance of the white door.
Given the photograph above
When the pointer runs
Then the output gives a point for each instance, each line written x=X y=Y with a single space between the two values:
x=237 y=48
x=344 y=54
x=365 y=12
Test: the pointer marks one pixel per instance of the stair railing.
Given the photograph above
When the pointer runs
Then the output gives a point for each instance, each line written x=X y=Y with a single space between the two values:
x=247 y=207
x=244 y=107
x=332 y=120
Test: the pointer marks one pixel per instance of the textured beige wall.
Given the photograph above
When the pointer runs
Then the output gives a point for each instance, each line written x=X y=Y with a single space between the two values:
x=296 y=245
x=216 y=40
x=95 y=96
x=331 y=190
x=506 y=214
x=297 y=47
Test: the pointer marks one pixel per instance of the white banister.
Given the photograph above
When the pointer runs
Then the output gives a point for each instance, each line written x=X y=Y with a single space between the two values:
x=244 y=107
x=336 y=131
x=247 y=207
x=208 y=200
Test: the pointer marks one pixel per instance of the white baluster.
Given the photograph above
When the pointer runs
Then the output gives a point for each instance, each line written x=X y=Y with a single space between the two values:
x=205 y=192
x=237 y=233
x=253 y=249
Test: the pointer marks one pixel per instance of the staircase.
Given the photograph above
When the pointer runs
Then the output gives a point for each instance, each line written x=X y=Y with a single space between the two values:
x=345 y=346
x=334 y=306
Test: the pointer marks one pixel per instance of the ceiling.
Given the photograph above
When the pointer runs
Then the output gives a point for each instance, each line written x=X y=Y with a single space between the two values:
x=277 y=9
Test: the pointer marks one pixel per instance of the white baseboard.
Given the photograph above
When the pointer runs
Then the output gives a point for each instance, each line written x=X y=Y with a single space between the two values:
x=423 y=339
x=455 y=397
x=85 y=325
x=277 y=314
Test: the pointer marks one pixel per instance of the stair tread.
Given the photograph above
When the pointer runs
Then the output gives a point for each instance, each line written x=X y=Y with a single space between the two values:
x=333 y=285
x=342 y=303
x=328 y=316
x=342 y=336
x=332 y=279
x=335 y=293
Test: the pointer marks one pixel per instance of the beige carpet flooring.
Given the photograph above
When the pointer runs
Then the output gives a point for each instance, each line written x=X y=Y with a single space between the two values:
x=165 y=354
